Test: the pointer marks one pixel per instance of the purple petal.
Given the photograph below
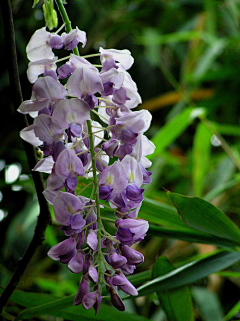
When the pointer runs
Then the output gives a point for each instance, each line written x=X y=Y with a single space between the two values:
x=116 y=300
x=119 y=96
x=47 y=87
x=83 y=290
x=93 y=274
x=70 y=111
x=133 y=257
x=56 y=42
x=65 y=204
x=89 y=299
x=68 y=163
x=76 y=263
x=63 y=251
x=128 y=136
x=111 y=147
x=134 y=193
x=92 y=240
x=77 y=222
x=65 y=71
x=120 y=280
x=84 y=81
x=105 y=193
x=124 y=235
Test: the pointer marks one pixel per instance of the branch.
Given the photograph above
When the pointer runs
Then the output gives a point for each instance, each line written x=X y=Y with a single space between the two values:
x=44 y=217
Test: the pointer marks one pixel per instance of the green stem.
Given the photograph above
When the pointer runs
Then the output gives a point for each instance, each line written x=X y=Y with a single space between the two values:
x=91 y=142
x=95 y=181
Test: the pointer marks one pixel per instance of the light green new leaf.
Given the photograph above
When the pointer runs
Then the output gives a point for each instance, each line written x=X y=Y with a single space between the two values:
x=208 y=304
x=174 y=128
x=176 y=303
x=50 y=14
x=191 y=272
x=205 y=217
x=35 y=2
x=201 y=156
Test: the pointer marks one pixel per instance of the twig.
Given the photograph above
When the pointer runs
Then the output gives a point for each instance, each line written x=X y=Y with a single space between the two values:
x=44 y=217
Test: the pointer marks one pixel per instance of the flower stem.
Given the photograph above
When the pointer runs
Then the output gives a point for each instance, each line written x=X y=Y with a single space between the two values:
x=91 y=142
x=95 y=181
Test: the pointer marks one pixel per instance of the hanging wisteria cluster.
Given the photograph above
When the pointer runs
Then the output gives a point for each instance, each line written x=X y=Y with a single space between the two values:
x=76 y=146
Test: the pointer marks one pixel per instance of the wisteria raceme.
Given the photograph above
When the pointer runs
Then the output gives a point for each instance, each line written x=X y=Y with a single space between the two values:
x=62 y=115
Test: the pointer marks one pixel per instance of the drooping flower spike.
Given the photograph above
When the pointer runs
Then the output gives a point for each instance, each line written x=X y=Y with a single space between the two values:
x=74 y=146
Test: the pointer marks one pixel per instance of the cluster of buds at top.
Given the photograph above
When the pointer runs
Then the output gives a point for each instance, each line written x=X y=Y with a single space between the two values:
x=76 y=146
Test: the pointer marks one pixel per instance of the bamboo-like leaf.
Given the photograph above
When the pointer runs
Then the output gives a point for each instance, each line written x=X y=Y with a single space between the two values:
x=176 y=303
x=191 y=272
x=189 y=236
x=208 y=304
x=203 y=216
x=201 y=156
x=174 y=128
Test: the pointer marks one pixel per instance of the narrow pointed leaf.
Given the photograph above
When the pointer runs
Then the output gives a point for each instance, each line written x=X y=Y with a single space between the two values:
x=174 y=128
x=201 y=156
x=176 y=303
x=205 y=217
x=191 y=272
x=208 y=304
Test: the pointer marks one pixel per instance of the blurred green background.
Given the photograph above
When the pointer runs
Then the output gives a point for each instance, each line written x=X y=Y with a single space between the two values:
x=187 y=66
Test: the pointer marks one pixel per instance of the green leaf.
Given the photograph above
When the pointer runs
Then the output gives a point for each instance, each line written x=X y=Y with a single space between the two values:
x=176 y=303
x=160 y=213
x=215 y=49
x=105 y=313
x=205 y=217
x=201 y=156
x=233 y=311
x=41 y=303
x=208 y=304
x=189 y=236
x=226 y=129
x=35 y=2
x=151 y=38
x=174 y=128
x=191 y=271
